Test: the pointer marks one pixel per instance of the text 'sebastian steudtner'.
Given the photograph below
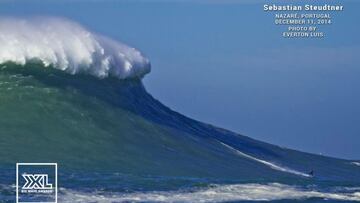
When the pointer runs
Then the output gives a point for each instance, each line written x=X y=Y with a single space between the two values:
x=306 y=7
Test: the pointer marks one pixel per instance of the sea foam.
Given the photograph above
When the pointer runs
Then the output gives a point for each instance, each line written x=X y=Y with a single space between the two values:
x=215 y=193
x=68 y=46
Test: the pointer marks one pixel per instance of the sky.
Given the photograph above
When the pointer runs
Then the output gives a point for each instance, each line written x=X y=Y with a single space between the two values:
x=225 y=63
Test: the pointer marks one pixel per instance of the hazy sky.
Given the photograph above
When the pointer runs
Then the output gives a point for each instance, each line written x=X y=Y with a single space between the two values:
x=226 y=64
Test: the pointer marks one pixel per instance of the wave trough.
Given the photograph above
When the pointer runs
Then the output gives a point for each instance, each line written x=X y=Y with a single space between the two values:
x=68 y=46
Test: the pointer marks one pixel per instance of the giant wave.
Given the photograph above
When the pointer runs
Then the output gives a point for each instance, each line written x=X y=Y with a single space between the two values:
x=113 y=141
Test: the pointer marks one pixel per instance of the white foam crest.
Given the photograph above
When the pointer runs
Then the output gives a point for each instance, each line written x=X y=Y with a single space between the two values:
x=68 y=46
x=267 y=163
x=216 y=193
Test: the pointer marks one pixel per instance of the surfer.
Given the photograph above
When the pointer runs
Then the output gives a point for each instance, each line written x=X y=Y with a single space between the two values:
x=311 y=173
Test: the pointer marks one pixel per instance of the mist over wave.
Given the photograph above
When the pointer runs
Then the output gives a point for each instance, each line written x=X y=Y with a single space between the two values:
x=68 y=46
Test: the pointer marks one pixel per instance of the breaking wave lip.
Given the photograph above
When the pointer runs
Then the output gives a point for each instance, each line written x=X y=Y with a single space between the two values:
x=269 y=164
x=214 y=193
x=68 y=46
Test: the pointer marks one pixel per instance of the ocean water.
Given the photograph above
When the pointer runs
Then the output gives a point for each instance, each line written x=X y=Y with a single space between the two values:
x=114 y=142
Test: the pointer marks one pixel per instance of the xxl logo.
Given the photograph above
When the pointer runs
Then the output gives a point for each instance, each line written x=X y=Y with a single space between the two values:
x=36 y=181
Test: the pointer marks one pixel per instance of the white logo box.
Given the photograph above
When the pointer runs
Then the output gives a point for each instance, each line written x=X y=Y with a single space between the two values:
x=36 y=164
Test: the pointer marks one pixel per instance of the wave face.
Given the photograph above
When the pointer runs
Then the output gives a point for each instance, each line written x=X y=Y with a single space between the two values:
x=67 y=46
x=113 y=140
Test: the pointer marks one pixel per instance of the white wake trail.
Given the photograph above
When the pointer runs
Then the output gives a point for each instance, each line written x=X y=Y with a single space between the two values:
x=356 y=163
x=269 y=164
x=68 y=46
